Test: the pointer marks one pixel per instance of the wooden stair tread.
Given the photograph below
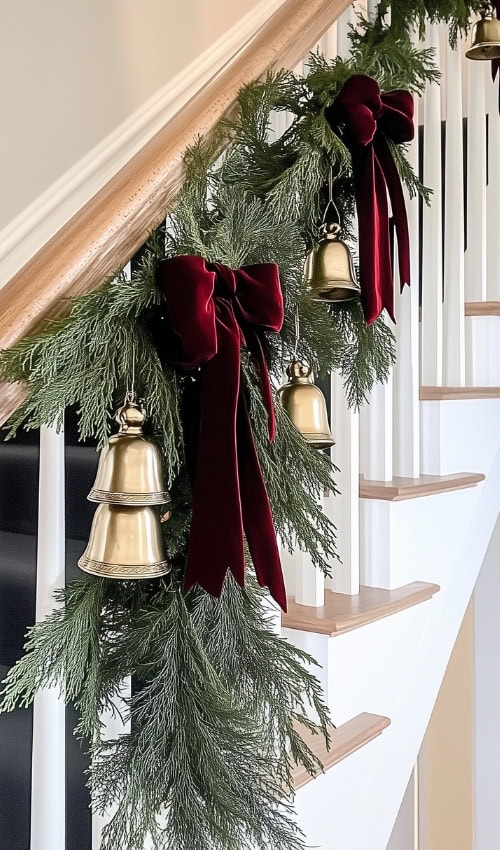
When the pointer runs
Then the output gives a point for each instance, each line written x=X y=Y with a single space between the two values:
x=482 y=308
x=449 y=393
x=346 y=739
x=342 y=612
x=399 y=488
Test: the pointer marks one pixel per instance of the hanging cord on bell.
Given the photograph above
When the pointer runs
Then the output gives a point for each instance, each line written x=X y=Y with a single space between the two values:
x=130 y=393
x=331 y=202
x=297 y=333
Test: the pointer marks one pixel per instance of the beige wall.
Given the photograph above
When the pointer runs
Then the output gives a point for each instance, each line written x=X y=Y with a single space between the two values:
x=446 y=760
x=71 y=71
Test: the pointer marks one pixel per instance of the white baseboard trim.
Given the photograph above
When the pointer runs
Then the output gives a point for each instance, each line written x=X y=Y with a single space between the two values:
x=29 y=231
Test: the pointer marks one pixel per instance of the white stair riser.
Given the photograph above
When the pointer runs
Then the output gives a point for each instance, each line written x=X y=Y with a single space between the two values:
x=415 y=539
x=459 y=435
x=482 y=337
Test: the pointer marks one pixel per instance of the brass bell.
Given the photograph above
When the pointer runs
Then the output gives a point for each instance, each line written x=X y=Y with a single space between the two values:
x=329 y=270
x=130 y=466
x=306 y=406
x=486 y=43
x=125 y=543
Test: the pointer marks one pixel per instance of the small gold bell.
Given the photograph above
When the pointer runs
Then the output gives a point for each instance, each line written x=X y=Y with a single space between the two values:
x=130 y=466
x=306 y=406
x=329 y=270
x=486 y=43
x=125 y=543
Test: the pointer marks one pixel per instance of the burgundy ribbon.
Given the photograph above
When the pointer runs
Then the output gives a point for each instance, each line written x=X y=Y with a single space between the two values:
x=365 y=119
x=212 y=310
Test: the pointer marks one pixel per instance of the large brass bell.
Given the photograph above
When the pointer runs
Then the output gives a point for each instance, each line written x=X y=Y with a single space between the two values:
x=306 y=406
x=486 y=43
x=125 y=543
x=126 y=536
x=329 y=270
x=130 y=468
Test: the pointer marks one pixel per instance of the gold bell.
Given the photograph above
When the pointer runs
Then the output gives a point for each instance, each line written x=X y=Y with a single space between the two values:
x=126 y=539
x=329 y=270
x=486 y=43
x=130 y=467
x=306 y=406
x=125 y=543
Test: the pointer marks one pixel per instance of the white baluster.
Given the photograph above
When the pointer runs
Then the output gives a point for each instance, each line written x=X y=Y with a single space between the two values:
x=475 y=255
x=330 y=42
x=376 y=431
x=476 y=346
x=407 y=368
x=309 y=580
x=432 y=271
x=454 y=296
x=343 y=43
x=343 y=509
x=289 y=567
x=114 y=724
x=48 y=781
x=493 y=193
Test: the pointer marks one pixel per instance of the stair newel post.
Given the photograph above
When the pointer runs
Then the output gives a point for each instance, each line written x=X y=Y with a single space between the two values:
x=48 y=827
x=407 y=367
x=454 y=295
x=432 y=249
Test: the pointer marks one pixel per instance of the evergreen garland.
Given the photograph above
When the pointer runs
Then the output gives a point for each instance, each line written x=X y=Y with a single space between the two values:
x=219 y=699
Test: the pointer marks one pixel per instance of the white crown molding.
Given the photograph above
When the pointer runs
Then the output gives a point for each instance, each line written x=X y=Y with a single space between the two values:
x=29 y=231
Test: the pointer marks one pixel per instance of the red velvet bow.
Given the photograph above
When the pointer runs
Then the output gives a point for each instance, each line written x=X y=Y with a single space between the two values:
x=212 y=311
x=364 y=119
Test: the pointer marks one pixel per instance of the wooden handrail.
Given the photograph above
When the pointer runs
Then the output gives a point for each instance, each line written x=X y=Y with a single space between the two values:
x=117 y=221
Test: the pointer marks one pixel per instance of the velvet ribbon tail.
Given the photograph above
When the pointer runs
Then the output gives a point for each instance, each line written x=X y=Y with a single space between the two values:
x=375 y=265
x=396 y=195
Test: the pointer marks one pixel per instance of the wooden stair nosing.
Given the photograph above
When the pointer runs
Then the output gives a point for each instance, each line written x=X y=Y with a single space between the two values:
x=346 y=739
x=400 y=489
x=482 y=308
x=343 y=613
x=457 y=393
